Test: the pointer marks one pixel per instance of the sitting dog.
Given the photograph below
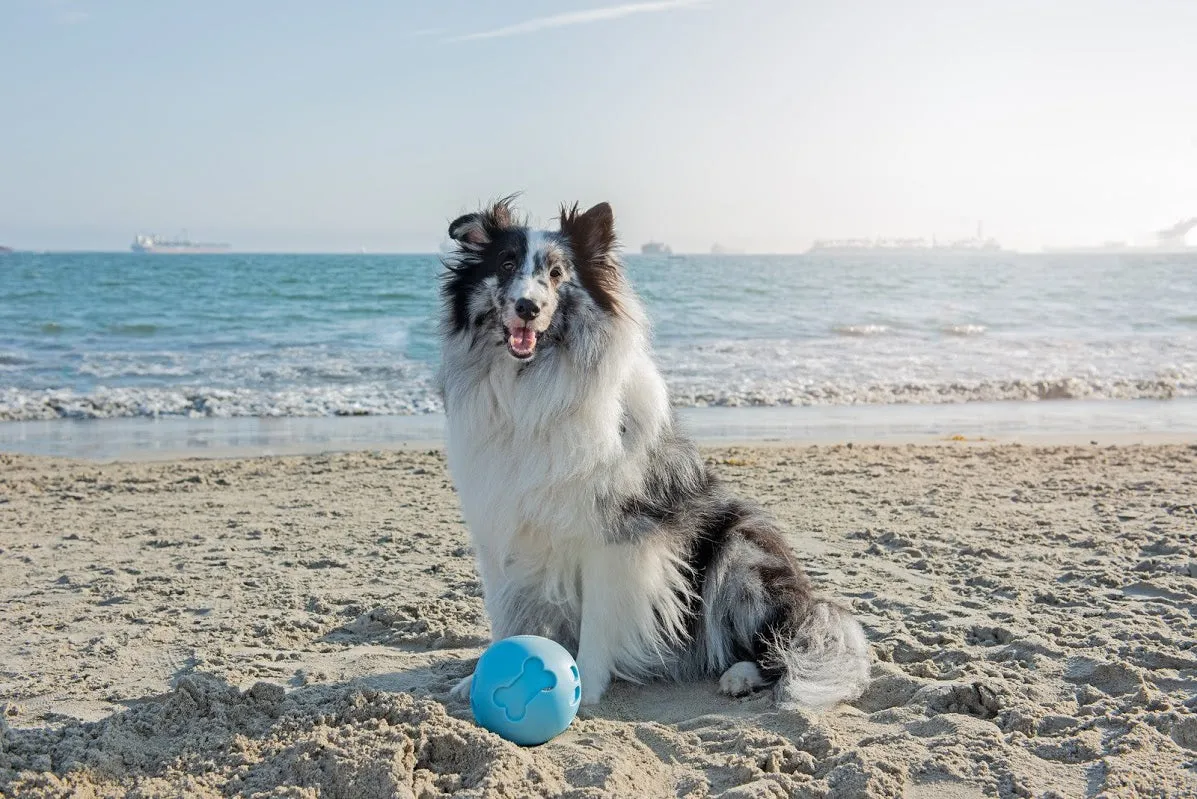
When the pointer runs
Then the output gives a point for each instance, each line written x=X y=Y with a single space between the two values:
x=594 y=519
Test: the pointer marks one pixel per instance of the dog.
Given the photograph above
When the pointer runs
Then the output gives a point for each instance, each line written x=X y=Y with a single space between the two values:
x=594 y=519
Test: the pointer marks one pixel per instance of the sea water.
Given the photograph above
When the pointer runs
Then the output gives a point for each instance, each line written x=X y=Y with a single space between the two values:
x=93 y=335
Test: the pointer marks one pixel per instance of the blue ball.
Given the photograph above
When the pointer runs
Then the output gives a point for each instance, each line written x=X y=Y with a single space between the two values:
x=526 y=689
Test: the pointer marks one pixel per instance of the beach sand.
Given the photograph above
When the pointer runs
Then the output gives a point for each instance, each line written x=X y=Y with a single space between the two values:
x=291 y=626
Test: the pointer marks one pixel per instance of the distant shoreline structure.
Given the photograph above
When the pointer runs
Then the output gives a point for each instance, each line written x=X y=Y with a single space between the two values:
x=900 y=247
x=906 y=246
x=1170 y=240
x=1120 y=248
x=153 y=244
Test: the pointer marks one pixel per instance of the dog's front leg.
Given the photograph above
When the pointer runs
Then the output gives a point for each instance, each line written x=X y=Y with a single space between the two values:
x=600 y=629
x=498 y=608
x=501 y=621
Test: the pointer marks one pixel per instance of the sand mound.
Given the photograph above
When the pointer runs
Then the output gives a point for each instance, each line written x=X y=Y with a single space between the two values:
x=209 y=739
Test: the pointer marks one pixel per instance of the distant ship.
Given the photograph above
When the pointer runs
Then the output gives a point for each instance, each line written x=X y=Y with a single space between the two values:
x=1169 y=240
x=655 y=248
x=158 y=244
x=721 y=249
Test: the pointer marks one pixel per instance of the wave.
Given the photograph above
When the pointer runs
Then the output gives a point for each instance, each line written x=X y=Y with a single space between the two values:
x=964 y=330
x=107 y=403
x=881 y=330
x=861 y=330
x=288 y=365
x=108 y=371
x=931 y=393
x=420 y=397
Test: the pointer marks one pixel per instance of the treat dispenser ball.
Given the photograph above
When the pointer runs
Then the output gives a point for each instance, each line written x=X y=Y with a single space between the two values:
x=526 y=689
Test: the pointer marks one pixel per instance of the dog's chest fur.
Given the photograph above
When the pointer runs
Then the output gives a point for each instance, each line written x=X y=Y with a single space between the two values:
x=536 y=450
x=529 y=454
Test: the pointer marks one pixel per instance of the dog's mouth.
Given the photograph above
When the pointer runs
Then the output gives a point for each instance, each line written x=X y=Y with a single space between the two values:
x=521 y=342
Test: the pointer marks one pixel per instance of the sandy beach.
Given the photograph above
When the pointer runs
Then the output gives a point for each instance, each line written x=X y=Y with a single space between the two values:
x=291 y=626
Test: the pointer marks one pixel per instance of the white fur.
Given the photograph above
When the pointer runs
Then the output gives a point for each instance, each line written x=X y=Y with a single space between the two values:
x=528 y=458
x=833 y=667
x=527 y=285
x=742 y=678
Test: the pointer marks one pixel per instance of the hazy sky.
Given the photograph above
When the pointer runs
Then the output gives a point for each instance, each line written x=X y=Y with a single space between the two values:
x=757 y=123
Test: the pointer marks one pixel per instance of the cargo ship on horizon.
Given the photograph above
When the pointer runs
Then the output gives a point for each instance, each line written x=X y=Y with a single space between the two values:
x=152 y=244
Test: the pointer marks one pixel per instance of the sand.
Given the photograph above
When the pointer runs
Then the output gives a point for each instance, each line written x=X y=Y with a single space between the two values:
x=291 y=627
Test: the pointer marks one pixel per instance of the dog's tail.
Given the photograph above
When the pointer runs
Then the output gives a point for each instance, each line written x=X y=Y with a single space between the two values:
x=822 y=660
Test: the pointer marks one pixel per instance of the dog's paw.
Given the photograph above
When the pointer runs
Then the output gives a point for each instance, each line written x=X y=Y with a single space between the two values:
x=591 y=698
x=594 y=683
x=741 y=679
x=462 y=689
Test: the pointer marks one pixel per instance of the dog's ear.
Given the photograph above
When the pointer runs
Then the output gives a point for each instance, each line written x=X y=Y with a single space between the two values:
x=591 y=236
x=469 y=229
x=479 y=229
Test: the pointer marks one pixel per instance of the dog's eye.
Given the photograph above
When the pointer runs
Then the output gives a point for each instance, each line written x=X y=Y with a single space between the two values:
x=508 y=266
x=555 y=273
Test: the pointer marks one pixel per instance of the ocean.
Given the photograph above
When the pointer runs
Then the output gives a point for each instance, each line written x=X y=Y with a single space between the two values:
x=101 y=335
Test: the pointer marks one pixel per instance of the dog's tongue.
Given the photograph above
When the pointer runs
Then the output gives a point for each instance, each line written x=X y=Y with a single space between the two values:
x=523 y=339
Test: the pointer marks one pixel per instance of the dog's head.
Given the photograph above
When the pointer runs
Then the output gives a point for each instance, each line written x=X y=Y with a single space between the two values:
x=523 y=284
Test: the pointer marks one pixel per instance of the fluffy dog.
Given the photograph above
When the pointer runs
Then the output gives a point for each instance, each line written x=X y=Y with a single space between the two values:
x=595 y=521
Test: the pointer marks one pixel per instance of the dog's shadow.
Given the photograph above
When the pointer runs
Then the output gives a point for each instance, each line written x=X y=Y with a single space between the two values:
x=434 y=681
x=674 y=703
x=658 y=701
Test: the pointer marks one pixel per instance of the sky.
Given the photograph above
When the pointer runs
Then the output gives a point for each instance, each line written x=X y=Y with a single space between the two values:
x=761 y=124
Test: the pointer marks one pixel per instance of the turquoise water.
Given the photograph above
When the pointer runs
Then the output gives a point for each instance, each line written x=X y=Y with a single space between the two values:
x=111 y=335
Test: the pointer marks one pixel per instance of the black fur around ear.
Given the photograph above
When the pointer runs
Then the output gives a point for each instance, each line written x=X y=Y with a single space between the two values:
x=469 y=229
x=479 y=229
x=591 y=236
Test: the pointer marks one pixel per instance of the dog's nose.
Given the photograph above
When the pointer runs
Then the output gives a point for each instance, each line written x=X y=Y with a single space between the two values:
x=526 y=309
